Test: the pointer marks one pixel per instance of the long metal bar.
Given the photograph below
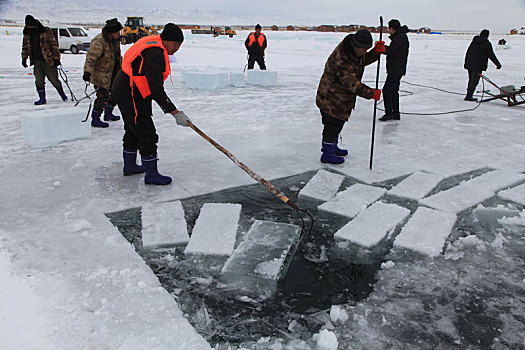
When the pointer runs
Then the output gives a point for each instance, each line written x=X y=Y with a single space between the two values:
x=375 y=102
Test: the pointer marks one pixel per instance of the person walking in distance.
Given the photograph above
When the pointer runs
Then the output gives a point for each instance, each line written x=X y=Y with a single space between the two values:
x=256 y=43
x=476 y=61
x=40 y=45
x=340 y=85
x=103 y=61
x=396 y=66
x=145 y=67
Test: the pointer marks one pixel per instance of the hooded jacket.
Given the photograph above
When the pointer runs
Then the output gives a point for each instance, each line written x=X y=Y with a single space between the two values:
x=48 y=44
x=478 y=54
x=341 y=80
x=397 y=52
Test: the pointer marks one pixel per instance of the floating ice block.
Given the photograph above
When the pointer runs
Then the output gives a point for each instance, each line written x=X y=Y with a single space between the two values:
x=416 y=186
x=237 y=79
x=472 y=192
x=52 y=126
x=215 y=231
x=516 y=194
x=205 y=80
x=352 y=200
x=259 y=261
x=373 y=224
x=426 y=231
x=163 y=224
x=323 y=186
x=261 y=77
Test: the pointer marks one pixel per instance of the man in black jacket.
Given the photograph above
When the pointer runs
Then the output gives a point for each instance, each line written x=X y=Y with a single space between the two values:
x=146 y=63
x=476 y=61
x=396 y=66
x=256 y=44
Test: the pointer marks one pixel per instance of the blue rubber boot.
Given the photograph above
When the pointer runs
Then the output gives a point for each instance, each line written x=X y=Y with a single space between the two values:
x=108 y=114
x=62 y=94
x=42 y=100
x=95 y=120
x=130 y=163
x=152 y=176
x=328 y=155
x=340 y=151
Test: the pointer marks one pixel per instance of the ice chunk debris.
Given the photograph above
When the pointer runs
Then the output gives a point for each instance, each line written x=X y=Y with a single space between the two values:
x=326 y=340
x=337 y=313
x=52 y=126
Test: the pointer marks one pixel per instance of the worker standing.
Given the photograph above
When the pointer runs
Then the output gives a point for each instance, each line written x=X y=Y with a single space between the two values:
x=340 y=85
x=145 y=67
x=40 y=45
x=103 y=61
x=396 y=67
x=476 y=61
x=256 y=44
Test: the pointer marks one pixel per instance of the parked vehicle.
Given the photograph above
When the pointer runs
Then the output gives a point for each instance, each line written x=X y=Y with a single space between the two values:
x=71 y=38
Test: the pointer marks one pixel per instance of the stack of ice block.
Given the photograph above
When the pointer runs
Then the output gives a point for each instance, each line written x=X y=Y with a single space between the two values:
x=163 y=224
x=215 y=231
x=261 y=77
x=260 y=260
x=322 y=187
x=52 y=126
x=205 y=80
x=237 y=79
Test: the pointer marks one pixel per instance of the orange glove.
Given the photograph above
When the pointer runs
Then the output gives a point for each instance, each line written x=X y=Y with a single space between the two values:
x=379 y=47
x=377 y=95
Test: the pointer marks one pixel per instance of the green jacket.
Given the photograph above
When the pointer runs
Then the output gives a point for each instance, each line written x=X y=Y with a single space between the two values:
x=341 y=80
x=100 y=61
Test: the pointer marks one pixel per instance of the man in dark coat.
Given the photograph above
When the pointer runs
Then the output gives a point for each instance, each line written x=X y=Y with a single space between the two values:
x=340 y=85
x=256 y=44
x=39 y=44
x=476 y=61
x=145 y=67
x=396 y=67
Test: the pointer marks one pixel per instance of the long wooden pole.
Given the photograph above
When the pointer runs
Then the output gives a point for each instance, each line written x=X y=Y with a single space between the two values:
x=375 y=102
x=244 y=167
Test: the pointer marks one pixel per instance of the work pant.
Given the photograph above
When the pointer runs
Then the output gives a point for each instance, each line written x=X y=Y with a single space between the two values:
x=103 y=97
x=332 y=127
x=473 y=81
x=41 y=70
x=391 y=94
x=142 y=135
x=256 y=58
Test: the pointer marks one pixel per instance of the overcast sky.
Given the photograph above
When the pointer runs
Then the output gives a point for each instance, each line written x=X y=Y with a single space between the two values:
x=497 y=15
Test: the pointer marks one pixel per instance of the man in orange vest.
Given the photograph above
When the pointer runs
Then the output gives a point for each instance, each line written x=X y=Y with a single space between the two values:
x=256 y=44
x=145 y=67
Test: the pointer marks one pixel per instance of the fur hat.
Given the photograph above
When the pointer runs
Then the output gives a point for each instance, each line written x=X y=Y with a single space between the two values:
x=113 y=25
x=362 y=38
x=172 y=32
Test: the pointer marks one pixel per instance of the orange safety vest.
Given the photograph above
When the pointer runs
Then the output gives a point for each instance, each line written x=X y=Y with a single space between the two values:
x=260 y=39
x=141 y=81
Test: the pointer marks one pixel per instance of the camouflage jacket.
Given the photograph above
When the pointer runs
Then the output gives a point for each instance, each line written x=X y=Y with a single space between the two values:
x=48 y=45
x=100 y=61
x=341 y=81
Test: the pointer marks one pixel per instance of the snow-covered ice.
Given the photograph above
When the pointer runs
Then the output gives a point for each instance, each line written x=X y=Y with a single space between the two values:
x=416 y=186
x=426 y=231
x=215 y=231
x=205 y=80
x=322 y=186
x=373 y=224
x=261 y=77
x=258 y=262
x=163 y=224
x=515 y=194
x=48 y=127
x=352 y=200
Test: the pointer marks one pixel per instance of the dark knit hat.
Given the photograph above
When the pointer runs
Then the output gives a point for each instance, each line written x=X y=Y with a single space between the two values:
x=484 y=33
x=113 y=25
x=362 y=38
x=394 y=23
x=172 y=32
x=31 y=21
x=258 y=26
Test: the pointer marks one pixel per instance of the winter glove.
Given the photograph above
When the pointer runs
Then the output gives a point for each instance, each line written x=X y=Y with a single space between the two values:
x=377 y=95
x=24 y=62
x=181 y=118
x=86 y=76
x=498 y=66
x=379 y=47
x=57 y=63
